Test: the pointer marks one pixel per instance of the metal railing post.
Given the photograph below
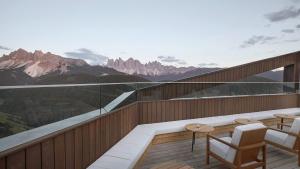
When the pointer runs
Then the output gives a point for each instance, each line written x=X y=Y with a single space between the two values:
x=100 y=100
x=136 y=91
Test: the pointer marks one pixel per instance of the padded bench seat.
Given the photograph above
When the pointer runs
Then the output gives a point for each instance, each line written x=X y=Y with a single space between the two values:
x=126 y=153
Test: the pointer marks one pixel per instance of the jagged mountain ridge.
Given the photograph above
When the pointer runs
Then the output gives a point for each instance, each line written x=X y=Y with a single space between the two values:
x=38 y=63
x=155 y=68
x=21 y=67
x=25 y=68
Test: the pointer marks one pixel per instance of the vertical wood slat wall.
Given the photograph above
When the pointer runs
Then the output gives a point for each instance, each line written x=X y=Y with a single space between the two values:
x=82 y=145
x=170 y=110
x=75 y=148
x=168 y=91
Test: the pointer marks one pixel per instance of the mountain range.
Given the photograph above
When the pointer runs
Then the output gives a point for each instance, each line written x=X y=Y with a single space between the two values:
x=21 y=67
x=155 y=68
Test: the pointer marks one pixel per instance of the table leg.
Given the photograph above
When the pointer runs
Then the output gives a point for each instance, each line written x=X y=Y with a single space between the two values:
x=281 y=126
x=193 y=141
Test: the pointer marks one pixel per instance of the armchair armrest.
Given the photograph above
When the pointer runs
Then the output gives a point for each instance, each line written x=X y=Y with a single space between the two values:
x=286 y=132
x=282 y=124
x=257 y=145
x=222 y=141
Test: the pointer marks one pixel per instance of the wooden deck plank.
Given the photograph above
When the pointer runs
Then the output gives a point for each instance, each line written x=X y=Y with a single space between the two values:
x=181 y=151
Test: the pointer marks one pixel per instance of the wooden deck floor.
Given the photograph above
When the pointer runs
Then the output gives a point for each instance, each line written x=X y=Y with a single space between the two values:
x=181 y=151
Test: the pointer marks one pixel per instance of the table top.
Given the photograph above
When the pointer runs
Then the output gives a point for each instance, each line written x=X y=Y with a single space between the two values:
x=285 y=116
x=201 y=128
x=246 y=121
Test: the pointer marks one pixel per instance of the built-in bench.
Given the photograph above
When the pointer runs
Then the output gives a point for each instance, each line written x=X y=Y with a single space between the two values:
x=127 y=152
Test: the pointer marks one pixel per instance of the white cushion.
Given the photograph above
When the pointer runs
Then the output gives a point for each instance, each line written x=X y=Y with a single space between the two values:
x=237 y=135
x=276 y=137
x=295 y=128
x=220 y=148
x=109 y=162
x=130 y=151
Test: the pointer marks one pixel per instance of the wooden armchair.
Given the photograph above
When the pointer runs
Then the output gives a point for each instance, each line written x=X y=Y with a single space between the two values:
x=286 y=140
x=241 y=150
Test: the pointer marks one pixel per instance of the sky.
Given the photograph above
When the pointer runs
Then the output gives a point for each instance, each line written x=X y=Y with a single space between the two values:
x=206 y=33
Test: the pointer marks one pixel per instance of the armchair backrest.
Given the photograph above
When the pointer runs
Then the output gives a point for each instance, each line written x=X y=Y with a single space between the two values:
x=290 y=141
x=246 y=135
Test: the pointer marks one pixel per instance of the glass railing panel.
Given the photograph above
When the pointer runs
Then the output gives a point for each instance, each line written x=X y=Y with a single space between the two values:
x=23 y=109
x=166 y=91
x=27 y=107
x=31 y=107
x=114 y=95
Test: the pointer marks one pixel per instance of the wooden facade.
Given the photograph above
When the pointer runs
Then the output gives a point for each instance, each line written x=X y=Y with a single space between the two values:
x=171 y=110
x=80 y=146
x=290 y=62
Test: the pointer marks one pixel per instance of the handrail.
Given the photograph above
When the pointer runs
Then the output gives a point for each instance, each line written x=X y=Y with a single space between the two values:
x=117 y=101
x=132 y=83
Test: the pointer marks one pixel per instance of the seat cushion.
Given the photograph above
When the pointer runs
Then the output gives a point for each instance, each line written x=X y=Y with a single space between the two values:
x=276 y=137
x=109 y=162
x=220 y=148
x=295 y=128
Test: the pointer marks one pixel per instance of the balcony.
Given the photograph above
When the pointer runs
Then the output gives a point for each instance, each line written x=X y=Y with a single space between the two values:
x=143 y=125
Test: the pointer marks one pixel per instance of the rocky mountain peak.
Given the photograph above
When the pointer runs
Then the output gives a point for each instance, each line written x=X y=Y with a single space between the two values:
x=38 y=63
x=38 y=53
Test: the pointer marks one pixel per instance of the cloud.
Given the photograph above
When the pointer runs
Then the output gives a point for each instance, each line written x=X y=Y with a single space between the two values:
x=123 y=53
x=89 y=56
x=257 y=40
x=288 y=30
x=284 y=14
x=298 y=26
x=207 y=65
x=295 y=1
x=171 y=59
x=292 y=40
x=4 y=48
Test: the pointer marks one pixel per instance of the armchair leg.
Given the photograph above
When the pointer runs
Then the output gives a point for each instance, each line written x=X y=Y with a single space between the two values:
x=299 y=158
x=207 y=159
x=264 y=156
x=298 y=147
x=207 y=150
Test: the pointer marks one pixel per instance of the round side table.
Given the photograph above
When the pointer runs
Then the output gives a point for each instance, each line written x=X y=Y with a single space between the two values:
x=246 y=121
x=198 y=128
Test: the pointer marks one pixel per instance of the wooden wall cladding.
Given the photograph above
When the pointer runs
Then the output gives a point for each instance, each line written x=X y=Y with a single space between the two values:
x=75 y=148
x=79 y=146
x=170 y=110
x=173 y=90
